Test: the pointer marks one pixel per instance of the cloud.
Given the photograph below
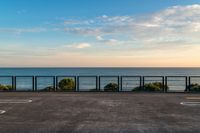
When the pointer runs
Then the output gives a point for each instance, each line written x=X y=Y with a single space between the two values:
x=82 y=45
x=177 y=24
x=79 y=46
x=84 y=31
x=108 y=41
x=19 y=31
x=99 y=38
x=71 y=22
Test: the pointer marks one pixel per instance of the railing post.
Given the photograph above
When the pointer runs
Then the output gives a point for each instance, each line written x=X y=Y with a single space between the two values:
x=121 y=88
x=163 y=83
x=78 y=84
x=143 y=82
x=54 y=83
x=140 y=82
x=14 y=83
x=36 y=83
x=33 y=83
x=97 y=83
x=75 y=82
x=189 y=86
x=186 y=84
x=118 y=82
x=166 y=86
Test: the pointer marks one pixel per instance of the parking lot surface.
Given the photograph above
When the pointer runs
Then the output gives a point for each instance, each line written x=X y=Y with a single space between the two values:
x=99 y=113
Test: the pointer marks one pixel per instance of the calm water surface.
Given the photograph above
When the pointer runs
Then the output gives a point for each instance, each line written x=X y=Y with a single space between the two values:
x=101 y=71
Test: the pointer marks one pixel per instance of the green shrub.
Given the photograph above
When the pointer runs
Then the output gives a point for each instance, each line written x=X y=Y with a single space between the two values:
x=9 y=87
x=156 y=86
x=111 y=87
x=66 y=84
x=5 y=87
x=152 y=87
x=49 y=89
x=138 y=89
x=195 y=87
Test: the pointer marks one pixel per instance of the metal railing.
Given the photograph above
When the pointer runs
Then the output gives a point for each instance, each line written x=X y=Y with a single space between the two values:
x=60 y=78
x=99 y=83
x=89 y=84
x=128 y=83
x=105 y=80
x=177 y=83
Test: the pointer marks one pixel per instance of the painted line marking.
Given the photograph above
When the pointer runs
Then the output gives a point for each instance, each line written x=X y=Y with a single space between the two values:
x=190 y=103
x=2 y=112
x=15 y=101
x=193 y=98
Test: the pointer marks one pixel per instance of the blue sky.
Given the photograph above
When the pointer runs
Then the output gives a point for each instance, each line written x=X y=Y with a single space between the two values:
x=99 y=32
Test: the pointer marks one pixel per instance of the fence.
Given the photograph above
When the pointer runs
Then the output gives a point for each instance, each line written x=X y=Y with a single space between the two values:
x=101 y=83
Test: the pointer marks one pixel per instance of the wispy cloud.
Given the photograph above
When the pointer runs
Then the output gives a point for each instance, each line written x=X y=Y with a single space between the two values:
x=79 y=45
x=108 y=41
x=82 y=45
x=19 y=31
x=177 y=24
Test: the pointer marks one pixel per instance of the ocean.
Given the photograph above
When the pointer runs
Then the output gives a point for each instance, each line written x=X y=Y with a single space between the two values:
x=89 y=83
x=100 y=71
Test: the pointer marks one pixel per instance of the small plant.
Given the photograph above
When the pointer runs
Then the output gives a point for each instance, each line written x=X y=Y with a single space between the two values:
x=156 y=86
x=9 y=87
x=49 y=89
x=152 y=87
x=111 y=87
x=138 y=89
x=66 y=84
x=5 y=87
x=194 y=87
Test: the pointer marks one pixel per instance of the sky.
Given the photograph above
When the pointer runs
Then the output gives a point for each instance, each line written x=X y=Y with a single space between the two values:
x=100 y=33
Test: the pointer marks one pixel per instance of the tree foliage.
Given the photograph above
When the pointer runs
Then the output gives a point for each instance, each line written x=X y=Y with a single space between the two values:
x=66 y=84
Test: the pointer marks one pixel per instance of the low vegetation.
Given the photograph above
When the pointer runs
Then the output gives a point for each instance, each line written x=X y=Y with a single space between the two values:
x=150 y=87
x=5 y=87
x=111 y=87
x=195 y=87
x=66 y=84
x=48 y=89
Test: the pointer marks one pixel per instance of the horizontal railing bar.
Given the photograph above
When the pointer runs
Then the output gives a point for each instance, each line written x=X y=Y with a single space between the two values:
x=23 y=76
x=153 y=76
x=176 y=76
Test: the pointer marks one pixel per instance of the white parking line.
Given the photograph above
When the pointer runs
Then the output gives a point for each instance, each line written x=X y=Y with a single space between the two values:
x=2 y=112
x=193 y=98
x=15 y=101
x=190 y=103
